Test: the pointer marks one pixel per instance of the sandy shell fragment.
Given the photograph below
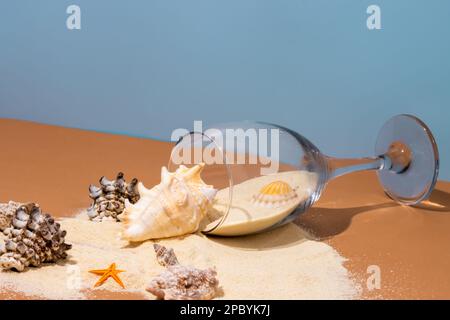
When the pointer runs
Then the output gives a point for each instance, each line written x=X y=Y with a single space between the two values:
x=166 y=257
x=275 y=194
x=179 y=282
x=110 y=197
x=172 y=208
x=33 y=238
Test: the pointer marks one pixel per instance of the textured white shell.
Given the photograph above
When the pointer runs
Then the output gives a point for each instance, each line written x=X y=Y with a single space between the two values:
x=174 y=207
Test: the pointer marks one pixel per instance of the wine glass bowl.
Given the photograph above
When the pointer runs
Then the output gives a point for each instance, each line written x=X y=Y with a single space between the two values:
x=242 y=158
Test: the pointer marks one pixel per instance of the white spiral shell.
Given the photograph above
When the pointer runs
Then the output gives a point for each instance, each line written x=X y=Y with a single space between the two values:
x=174 y=207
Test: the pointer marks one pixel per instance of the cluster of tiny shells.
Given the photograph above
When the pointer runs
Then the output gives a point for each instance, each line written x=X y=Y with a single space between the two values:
x=180 y=282
x=109 y=198
x=33 y=238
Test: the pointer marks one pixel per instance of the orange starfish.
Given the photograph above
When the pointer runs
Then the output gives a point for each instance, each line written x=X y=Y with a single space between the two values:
x=106 y=273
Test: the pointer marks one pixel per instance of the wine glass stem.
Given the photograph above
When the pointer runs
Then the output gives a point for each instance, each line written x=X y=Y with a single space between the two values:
x=338 y=167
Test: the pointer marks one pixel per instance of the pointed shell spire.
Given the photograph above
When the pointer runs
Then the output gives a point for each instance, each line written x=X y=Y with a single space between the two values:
x=165 y=256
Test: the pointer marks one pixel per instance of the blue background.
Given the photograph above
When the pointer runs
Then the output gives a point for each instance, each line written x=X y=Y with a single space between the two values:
x=144 y=68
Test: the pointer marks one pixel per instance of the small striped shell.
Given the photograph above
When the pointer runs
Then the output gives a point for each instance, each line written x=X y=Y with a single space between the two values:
x=275 y=194
x=166 y=257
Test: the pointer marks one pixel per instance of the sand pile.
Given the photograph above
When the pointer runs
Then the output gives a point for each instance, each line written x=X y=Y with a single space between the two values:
x=281 y=264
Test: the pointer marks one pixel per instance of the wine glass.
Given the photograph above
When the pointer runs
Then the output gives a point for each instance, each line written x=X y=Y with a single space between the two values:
x=237 y=154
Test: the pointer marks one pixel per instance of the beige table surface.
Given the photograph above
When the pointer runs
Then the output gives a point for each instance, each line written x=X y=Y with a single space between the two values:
x=411 y=246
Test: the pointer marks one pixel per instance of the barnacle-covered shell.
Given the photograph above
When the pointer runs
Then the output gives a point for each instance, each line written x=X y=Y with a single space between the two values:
x=179 y=282
x=174 y=207
x=109 y=198
x=275 y=194
x=33 y=238
x=166 y=257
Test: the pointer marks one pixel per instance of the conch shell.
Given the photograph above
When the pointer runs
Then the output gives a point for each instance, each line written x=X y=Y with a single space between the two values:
x=275 y=194
x=174 y=207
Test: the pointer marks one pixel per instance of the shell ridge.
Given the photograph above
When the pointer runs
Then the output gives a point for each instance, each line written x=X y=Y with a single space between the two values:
x=174 y=207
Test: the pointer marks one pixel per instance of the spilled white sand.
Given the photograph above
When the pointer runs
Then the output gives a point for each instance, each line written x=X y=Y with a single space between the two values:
x=280 y=264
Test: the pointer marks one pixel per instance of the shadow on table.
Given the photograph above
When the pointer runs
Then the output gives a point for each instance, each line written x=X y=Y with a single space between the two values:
x=282 y=237
x=324 y=223
x=439 y=201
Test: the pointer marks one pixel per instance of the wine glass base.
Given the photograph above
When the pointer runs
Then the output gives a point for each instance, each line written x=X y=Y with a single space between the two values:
x=410 y=174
